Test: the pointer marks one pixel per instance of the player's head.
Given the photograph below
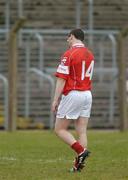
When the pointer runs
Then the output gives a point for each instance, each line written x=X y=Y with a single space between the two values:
x=75 y=35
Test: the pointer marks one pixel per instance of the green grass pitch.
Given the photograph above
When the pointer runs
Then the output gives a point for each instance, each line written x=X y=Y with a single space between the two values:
x=40 y=155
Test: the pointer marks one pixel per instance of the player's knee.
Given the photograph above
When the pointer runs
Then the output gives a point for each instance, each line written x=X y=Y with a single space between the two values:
x=56 y=130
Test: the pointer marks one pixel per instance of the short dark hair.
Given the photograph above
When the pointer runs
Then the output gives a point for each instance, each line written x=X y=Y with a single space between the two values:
x=78 y=33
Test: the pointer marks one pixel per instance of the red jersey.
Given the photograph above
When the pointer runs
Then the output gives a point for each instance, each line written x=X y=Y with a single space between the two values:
x=76 y=68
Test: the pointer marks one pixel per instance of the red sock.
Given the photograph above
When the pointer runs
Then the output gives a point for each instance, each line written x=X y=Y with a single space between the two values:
x=77 y=147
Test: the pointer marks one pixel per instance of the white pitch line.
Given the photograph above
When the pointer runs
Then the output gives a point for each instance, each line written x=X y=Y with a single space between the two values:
x=8 y=158
x=37 y=160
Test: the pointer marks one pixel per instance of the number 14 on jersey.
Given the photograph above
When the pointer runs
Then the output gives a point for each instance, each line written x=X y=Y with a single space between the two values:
x=88 y=72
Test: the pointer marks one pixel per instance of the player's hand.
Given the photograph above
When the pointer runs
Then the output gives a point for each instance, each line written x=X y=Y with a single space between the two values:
x=54 y=106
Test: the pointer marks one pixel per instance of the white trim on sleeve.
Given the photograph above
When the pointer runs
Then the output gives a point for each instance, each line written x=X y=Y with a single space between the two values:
x=63 y=69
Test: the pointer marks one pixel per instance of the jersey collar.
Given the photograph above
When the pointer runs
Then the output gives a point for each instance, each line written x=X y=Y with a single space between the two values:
x=78 y=45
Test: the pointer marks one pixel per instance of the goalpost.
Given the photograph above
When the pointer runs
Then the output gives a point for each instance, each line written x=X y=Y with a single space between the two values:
x=123 y=78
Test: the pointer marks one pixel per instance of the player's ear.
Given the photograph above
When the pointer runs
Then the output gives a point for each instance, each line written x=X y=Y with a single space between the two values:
x=72 y=36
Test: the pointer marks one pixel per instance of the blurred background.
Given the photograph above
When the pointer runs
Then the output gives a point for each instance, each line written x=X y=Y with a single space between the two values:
x=29 y=55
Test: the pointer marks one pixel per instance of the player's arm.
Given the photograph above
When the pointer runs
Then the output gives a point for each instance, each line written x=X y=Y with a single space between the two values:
x=58 y=92
x=62 y=75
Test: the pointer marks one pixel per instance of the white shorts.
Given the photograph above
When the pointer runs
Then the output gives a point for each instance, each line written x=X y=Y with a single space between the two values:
x=75 y=104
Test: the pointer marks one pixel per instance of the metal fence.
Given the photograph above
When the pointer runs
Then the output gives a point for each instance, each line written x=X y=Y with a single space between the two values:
x=39 y=52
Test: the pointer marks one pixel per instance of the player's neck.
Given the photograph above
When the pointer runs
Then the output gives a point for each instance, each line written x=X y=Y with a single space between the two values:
x=77 y=42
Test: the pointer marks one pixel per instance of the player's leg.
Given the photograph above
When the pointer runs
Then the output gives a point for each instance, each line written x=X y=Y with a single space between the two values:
x=61 y=129
x=81 y=129
x=82 y=121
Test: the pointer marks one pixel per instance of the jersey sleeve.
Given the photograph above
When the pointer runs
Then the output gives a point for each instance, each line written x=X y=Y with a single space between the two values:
x=63 y=68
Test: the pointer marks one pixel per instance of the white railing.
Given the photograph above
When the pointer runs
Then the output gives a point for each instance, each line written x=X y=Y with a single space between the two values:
x=5 y=86
x=51 y=82
x=40 y=60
